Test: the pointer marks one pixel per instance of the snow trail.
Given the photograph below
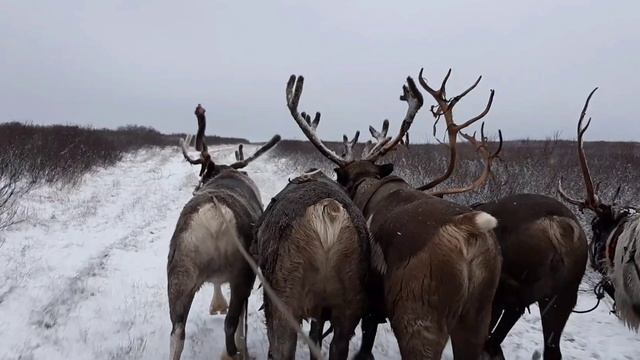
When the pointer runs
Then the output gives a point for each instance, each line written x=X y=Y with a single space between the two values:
x=85 y=276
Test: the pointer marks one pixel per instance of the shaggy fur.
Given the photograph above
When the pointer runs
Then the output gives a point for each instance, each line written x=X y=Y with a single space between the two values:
x=203 y=248
x=624 y=271
x=313 y=249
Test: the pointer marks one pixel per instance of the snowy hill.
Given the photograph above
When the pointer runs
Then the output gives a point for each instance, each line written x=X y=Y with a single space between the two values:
x=85 y=276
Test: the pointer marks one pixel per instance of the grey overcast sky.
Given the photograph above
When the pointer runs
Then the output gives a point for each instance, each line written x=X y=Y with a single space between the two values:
x=111 y=63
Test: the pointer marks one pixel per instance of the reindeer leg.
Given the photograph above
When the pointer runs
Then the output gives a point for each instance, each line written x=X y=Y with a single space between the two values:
x=218 y=302
x=315 y=334
x=369 y=330
x=241 y=333
x=342 y=334
x=282 y=338
x=555 y=312
x=181 y=290
x=470 y=333
x=509 y=318
x=240 y=291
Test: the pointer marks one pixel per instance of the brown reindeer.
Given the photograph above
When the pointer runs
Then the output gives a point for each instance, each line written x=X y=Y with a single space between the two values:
x=615 y=241
x=212 y=226
x=543 y=246
x=544 y=252
x=437 y=262
x=313 y=248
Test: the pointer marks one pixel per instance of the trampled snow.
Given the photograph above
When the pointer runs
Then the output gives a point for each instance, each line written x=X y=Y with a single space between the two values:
x=85 y=276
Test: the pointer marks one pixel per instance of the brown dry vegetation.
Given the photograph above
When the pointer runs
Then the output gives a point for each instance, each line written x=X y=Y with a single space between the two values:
x=526 y=166
x=31 y=155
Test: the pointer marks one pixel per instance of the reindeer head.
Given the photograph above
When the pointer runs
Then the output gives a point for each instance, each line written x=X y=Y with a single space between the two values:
x=208 y=168
x=607 y=216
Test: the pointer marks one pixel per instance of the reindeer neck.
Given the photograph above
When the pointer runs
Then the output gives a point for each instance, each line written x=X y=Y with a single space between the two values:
x=369 y=191
x=233 y=181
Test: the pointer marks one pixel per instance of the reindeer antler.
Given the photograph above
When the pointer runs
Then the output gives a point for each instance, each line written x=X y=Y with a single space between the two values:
x=444 y=107
x=308 y=127
x=482 y=148
x=242 y=162
x=380 y=137
x=202 y=124
x=347 y=155
x=412 y=96
x=239 y=153
x=184 y=143
x=200 y=145
x=592 y=201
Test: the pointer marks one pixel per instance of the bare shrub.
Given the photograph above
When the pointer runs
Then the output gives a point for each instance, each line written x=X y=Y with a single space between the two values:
x=527 y=166
x=31 y=155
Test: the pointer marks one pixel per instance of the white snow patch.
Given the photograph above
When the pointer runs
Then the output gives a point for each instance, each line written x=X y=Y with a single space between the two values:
x=85 y=276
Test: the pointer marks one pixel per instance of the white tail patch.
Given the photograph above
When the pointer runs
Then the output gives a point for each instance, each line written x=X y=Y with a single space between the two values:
x=328 y=217
x=210 y=233
x=485 y=222
x=552 y=225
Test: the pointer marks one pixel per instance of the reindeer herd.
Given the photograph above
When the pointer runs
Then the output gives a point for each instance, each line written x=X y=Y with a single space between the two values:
x=368 y=248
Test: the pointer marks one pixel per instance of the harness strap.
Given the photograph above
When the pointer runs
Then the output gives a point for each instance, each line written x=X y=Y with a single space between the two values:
x=368 y=187
x=613 y=241
x=599 y=291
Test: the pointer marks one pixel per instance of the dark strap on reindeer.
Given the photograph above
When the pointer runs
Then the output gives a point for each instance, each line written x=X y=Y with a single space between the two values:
x=613 y=241
x=366 y=188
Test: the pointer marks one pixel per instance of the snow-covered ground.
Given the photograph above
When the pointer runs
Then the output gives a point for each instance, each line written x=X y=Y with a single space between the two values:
x=85 y=276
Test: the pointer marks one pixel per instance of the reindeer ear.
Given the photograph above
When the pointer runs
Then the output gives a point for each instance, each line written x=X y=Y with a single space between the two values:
x=385 y=169
x=342 y=175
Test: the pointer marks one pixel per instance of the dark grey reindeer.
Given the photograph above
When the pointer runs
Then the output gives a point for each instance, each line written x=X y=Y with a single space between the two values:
x=218 y=219
x=313 y=248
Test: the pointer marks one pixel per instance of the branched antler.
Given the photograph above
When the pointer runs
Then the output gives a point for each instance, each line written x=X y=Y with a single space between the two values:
x=412 y=96
x=371 y=152
x=239 y=153
x=205 y=158
x=380 y=138
x=592 y=201
x=489 y=157
x=242 y=162
x=348 y=146
x=444 y=107
x=308 y=126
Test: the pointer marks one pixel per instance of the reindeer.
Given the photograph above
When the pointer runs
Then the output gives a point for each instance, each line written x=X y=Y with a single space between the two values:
x=544 y=252
x=543 y=247
x=615 y=239
x=438 y=262
x=313 y=248
x=205 y=246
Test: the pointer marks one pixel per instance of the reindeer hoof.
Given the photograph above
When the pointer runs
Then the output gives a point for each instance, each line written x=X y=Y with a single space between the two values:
x=215 y=310
x=363 y=356
x=238 y=356
x=218 y=303
x=486 y=356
